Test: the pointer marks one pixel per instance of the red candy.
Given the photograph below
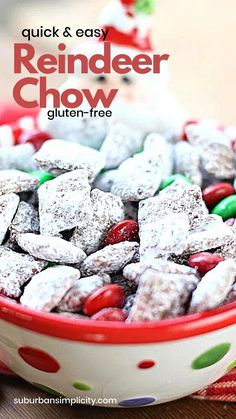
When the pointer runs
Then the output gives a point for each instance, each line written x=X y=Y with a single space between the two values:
x=213 y=194
x=187 y=123
x=126 y=230
x=35 y=137
x=112 y=314
x=108 y=296
x=204 y=261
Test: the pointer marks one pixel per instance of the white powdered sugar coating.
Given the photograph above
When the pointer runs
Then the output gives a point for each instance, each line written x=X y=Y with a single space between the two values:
x=74 y=299
x=161 y=296
x=231 y=296
x=180 y=197
x=163 y=150
x=59 y=156
x=218 y=160
x=18 y=157
x=164 y=237
x=120 y=143
x=134 y=271
x=212 y=233
x=52 y=249
x=228 y=250
x=15 y=270
x=16 y=181
x=8 y=207
x=66 y=221
x=214 y=287
x=187 y=162
x=64 y=203
x=140 y=176
x=107 y=210
x=47 y=288
x=26 y=220
x=104 y=180
x=214 y=147
x=110 y=259
x=205 y=131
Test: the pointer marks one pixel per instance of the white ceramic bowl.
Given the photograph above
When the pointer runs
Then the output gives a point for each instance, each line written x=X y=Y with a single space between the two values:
x=116 y=364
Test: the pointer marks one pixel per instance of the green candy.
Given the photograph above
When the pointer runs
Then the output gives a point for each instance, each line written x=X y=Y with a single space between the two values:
x=171 y=179
x=42 y=176
x=210 y=357
x=226 y=208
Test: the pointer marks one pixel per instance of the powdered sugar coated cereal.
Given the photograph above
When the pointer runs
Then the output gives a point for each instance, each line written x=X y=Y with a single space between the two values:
x=59 y=156
x=64 y=203
x=74 y=299
x=110 y=259
x=52 y=249
x=107 y=210
x=47 y=288
x=214 y=287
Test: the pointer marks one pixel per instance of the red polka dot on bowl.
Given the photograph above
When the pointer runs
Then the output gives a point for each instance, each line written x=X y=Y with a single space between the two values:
x=38 y=359
x=146 y=364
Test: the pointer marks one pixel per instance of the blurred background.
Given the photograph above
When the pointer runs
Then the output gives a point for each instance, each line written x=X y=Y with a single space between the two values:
x=199 y=35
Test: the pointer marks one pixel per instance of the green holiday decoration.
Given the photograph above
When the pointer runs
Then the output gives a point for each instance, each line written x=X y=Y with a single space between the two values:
x=146 y=7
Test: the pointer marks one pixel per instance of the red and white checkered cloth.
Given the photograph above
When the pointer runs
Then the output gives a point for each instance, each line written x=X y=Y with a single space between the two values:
x=223 y=389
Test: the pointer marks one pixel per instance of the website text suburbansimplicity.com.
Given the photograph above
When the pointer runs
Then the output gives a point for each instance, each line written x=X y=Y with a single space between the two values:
x=92 y=401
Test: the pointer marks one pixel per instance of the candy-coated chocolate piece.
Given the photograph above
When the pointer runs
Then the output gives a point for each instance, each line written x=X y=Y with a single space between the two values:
x=171 y=179
x=42 y=176
x=113 y=314
x=35 y=137
x=204 y=261
x=213 y=194
x=126 y=230
x=107 y=296
x=226 y=208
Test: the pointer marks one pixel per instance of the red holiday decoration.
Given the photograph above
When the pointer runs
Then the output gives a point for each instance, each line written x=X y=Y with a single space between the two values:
x=35 y=137
x=124 y=26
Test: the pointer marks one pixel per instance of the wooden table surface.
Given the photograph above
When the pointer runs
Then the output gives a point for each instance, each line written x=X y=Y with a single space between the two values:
x=11 y=387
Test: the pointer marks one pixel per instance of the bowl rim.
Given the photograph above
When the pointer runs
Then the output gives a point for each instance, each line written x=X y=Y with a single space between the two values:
x=104 y=332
